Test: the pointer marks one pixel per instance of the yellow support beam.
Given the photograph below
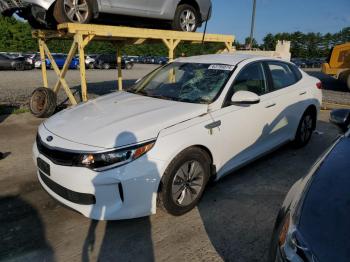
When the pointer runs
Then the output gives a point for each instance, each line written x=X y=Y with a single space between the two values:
x=82 y=34
x=58 y=73
x=80 y=41
x=119 y=66
x=110 y=32
x=66 y=65
x=43 y=62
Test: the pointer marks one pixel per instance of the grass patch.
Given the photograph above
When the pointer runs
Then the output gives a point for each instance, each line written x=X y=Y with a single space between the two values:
x=10 y=109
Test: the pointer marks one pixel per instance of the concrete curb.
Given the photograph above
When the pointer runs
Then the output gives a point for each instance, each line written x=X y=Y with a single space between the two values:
x=331 y=106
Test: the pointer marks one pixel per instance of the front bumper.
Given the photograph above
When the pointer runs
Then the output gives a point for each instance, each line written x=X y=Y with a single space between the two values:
x=124 y=192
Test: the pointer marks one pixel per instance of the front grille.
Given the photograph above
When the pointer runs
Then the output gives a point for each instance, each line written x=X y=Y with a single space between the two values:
x=6 y=5
x=75 y=197
x=57 y=156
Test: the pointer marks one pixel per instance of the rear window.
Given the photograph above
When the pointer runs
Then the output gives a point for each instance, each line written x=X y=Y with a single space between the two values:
x=296 y=71
x=282 y=75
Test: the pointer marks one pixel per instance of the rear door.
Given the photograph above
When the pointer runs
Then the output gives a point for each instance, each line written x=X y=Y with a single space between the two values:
x=287 y=92
x=159 y=8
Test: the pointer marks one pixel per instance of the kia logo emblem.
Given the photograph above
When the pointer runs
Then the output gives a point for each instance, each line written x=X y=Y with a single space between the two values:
x=49 y=138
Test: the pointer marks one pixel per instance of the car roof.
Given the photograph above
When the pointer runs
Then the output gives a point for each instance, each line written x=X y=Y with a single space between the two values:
x=228 y=59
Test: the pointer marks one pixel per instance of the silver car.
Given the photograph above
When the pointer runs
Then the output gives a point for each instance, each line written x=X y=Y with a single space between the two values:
x=182 y=15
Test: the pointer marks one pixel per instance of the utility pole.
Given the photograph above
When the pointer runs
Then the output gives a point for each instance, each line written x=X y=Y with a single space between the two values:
x=252 y=26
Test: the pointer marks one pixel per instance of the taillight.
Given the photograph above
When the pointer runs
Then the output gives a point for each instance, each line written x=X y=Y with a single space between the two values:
x=319 y=85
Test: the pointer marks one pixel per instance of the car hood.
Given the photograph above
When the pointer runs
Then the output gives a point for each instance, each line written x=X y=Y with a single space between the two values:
x=324 y=220
x=120 y=119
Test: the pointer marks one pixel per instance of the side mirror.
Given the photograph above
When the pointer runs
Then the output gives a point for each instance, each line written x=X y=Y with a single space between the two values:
x=341 y=118
x=245 y=98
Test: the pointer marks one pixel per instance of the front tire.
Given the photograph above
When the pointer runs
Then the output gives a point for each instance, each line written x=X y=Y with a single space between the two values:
x=184 y=181
x=73 y=11
x=305 y=129
x=186 y=19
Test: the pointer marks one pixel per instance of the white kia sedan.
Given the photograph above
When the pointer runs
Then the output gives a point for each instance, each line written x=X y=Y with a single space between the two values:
x=158 y=144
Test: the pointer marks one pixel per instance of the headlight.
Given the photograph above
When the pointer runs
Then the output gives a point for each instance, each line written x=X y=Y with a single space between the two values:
x=110 y=159
x=291 y=243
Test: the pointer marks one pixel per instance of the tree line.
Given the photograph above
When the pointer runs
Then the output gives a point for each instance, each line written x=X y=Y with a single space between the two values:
x=304 y=45
x=15 y=36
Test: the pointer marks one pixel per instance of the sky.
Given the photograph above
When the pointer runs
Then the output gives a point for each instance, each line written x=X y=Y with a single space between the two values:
x=274 y=16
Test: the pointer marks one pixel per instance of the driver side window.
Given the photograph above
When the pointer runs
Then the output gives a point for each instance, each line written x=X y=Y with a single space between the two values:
x=251 y=78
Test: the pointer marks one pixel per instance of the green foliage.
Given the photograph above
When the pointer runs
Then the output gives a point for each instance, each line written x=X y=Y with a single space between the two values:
x=247 y=42
x=15 y=36
x=308 y=45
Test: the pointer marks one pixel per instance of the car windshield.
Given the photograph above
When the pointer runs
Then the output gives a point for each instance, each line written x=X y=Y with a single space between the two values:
x=185 y=82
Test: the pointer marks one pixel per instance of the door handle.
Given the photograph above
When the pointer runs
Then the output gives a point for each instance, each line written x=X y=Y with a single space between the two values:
x=270 y=105
x=213 y=125
x=302 y=93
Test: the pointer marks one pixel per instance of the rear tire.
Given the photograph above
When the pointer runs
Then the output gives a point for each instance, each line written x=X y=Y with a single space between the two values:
x=184 y=181
x=42 y=102
x=71 y=11
x=186 y=19
x=305 y=129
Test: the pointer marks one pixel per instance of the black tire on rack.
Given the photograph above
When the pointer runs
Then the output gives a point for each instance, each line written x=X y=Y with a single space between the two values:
x=43 y=102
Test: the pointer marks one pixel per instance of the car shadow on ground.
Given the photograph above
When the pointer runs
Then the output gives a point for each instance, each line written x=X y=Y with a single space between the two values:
x=22 y=232
x=116 y=241
x=256 y=192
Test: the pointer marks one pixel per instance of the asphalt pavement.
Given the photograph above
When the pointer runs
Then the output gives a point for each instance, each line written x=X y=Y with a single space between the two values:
x=233 y=221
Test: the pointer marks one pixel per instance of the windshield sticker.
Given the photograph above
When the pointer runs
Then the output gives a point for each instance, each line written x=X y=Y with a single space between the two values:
x=221 y=67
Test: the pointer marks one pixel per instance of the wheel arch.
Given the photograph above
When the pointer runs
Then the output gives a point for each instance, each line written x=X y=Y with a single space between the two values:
x=204 y=149
x=191 y=3
x=313 y=110
x=94 y=5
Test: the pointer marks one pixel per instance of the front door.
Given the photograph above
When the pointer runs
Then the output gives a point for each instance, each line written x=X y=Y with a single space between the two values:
x=244 y=131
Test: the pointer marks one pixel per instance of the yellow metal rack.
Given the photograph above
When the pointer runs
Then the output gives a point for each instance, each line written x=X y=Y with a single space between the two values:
x=82 y=34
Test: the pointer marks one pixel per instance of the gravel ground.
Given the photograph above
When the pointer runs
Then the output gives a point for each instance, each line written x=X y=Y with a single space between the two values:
x=16 y=87
x=233 y=221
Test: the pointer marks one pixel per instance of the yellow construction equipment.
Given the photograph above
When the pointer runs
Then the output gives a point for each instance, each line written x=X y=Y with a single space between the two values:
x=338 y=64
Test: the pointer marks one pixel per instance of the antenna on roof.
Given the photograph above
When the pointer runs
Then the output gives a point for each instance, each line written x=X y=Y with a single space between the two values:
x=205 y=30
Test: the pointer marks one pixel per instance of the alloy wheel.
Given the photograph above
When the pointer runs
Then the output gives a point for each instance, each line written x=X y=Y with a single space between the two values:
x=188 y=20
x=187 y=183
x=76 y=10
x=306 y=128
